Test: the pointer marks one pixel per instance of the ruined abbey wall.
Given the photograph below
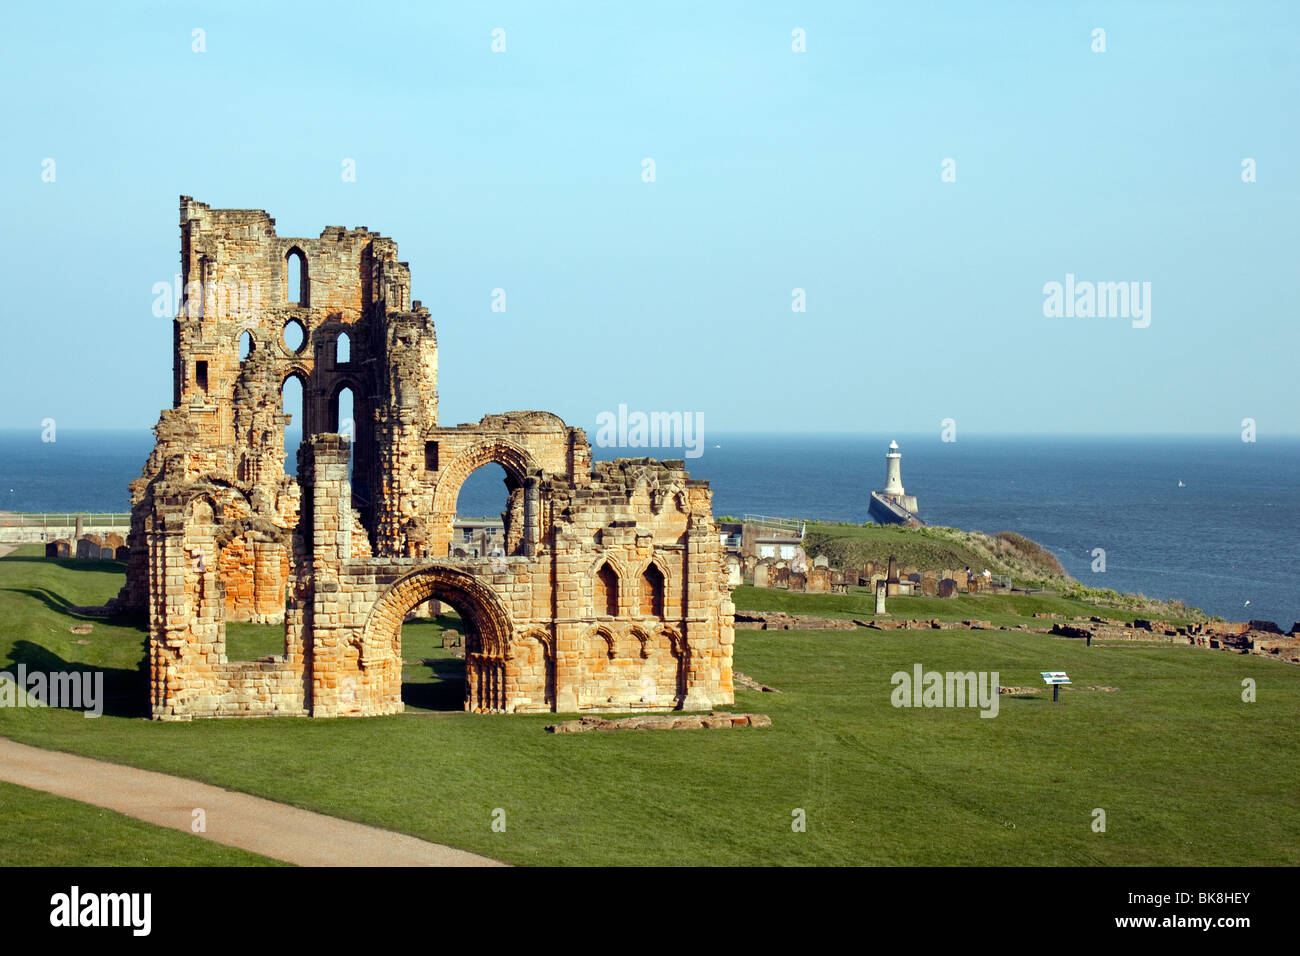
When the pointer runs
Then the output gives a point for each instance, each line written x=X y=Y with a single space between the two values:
x=609 y=593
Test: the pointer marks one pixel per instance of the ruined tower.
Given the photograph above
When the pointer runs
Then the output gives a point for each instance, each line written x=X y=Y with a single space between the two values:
x=611 y=594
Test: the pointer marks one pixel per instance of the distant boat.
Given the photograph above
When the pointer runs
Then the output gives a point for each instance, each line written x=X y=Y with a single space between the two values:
x=1180 y=483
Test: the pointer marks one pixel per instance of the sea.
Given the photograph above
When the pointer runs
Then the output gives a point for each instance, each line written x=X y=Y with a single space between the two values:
x=1214 y=522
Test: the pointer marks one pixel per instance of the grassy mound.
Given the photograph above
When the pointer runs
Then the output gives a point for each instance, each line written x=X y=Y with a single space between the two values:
x=935 y=548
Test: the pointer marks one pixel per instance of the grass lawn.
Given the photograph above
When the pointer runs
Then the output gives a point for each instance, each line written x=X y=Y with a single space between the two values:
x=860 y=603
x=1186 y=772
x=44 y=830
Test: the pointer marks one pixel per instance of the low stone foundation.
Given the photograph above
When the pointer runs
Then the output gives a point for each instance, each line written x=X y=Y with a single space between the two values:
x=714 y=721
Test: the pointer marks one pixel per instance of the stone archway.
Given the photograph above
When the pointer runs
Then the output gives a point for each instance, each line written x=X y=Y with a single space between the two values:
x=518 y=465
x=487 y=624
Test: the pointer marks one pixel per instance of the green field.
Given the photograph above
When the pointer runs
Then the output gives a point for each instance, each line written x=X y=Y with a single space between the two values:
x=1186 y=772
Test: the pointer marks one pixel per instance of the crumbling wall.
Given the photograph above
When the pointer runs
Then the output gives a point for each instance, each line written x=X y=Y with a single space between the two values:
x=612 y=593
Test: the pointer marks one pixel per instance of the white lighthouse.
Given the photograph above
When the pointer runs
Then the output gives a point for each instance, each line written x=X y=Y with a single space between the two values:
x=893 y=471
x=892 y=505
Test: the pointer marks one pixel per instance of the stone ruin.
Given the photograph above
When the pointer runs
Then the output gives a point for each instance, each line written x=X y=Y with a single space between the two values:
x=611 y=593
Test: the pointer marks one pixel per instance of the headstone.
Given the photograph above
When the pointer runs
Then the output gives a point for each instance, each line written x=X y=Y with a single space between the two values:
x=733 y=570
x=948 y=588
x=880 y=596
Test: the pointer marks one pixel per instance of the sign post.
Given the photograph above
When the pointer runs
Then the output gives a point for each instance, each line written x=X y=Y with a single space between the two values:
x=1055 y=679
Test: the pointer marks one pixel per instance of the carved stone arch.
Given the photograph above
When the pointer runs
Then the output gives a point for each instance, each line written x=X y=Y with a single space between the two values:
x=298 y=369
x=621 y=583
x=610 y=558
x=476 y=602
x=645 y=478
x=666 y=568
x=219 y=497
x=517 y=462
x=643 y=637
x=675 y=639
x=674 y=493
x=344 y=380
x=672 y=671
x=606 y=634
x=338 y=383
x=203 y=494
x=530 y=669
x=534 y=632
x=340 y=334
x=488 y=632
x=257 y=345
x=303 y=373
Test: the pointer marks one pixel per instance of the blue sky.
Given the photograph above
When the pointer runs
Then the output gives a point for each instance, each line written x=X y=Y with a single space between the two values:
x=775 y=170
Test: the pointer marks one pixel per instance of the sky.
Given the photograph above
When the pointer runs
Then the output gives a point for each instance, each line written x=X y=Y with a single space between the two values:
x=922 y=172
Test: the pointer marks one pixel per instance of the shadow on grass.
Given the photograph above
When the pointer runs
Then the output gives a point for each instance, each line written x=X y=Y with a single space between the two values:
x=126 y=692
x=71 y=564
x=446 y=692
x=61 y=605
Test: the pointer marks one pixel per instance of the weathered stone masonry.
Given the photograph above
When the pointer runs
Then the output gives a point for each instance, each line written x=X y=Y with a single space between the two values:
x=610 y=595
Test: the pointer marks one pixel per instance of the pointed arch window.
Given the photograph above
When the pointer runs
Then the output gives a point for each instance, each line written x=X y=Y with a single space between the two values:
x=652 y=592
x=604 y=591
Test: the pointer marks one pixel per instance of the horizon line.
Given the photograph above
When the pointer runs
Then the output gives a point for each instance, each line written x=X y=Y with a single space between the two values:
x=788 y=433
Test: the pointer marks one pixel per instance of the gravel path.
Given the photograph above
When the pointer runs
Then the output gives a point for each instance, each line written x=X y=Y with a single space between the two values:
x=235 y=819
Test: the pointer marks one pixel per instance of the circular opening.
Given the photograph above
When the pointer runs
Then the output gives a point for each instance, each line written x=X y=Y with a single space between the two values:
x=295 y=336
